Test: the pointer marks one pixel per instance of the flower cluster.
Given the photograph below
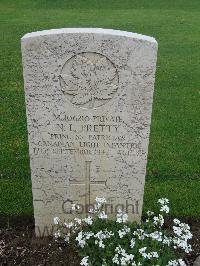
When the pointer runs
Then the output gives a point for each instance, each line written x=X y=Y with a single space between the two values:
x=164 y=205
x=121 y=216
x=125 y=230
x=178 y=262
x=152 y=254
x=123 y=243
x=100 y=236
x=182 y=235
x=122 y=258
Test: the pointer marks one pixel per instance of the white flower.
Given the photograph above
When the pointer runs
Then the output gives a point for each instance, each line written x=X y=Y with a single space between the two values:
x=67 y=238
x=115 y=259
x=100 y=199
x=121 y=217
x=165 y=209
x=78 y=221
x=84 y=261
x=158 y=220
x=182 y=244
x=69 y=225
x=156 y=236
x=88 y=220
x=80 y=239
x=164 y=206
x=87 y=235
x=163 y=201
x=121 y=257
x=56 y=220
x=103 y=234
x=176 y=221
x=167 y=241
x=125 y=230
x=177 y=230
x=155 y=254
x=142 y=250
x=149 y=255
x=140 y=234
x=102 y=215
x=182 y=235
x=181 y=262
x=178 y=262
x=101 y=244
x=132 y=244
x=57 y=234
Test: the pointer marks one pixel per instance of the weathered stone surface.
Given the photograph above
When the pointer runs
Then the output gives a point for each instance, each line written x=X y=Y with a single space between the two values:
x=197 y=262
x=89 y=96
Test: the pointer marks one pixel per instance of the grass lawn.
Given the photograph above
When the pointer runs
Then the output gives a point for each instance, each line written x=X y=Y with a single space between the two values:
x=174 y=153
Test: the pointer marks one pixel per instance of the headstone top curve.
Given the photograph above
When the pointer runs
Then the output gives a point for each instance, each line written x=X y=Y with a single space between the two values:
x=90 y=31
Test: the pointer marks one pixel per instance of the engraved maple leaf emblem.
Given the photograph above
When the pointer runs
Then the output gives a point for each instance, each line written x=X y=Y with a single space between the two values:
x=89 y=81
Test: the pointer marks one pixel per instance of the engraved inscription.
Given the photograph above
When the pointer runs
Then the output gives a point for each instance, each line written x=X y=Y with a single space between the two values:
x=89 y=80
x=102 y=135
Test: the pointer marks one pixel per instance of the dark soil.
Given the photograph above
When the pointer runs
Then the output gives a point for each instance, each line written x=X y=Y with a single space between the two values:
x=19 y=246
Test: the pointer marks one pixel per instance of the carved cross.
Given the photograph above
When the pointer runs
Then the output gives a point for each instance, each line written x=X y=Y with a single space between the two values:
x=88 y=182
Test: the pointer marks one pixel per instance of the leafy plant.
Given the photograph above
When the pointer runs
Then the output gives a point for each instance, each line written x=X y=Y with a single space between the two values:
x=103 y=242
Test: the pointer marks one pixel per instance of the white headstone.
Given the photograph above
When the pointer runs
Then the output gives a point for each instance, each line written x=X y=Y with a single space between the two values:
x=89 y=95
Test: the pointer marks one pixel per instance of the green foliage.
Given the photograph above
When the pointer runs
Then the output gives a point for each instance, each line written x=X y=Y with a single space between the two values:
x=102 y=242
x=184 y=193
x=15 y=196
x=97 y=254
